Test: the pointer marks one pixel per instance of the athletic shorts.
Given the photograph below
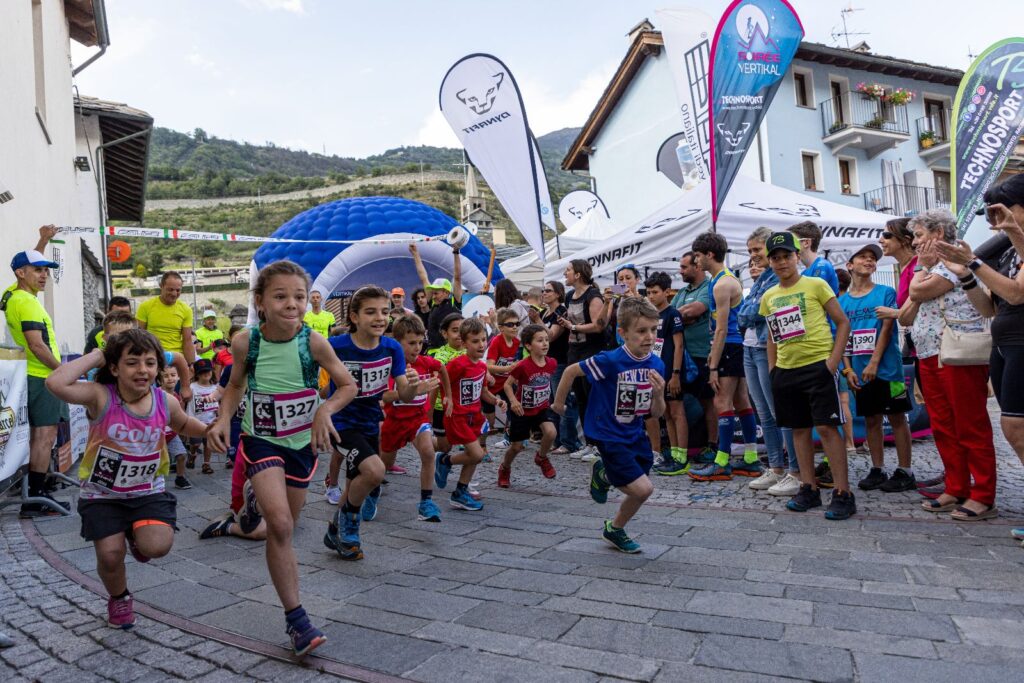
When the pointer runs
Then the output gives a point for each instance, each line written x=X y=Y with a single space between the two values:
x=1007 y=368
x=806 y=397
x=624 y=463
x=259 y=454
x=882 y=397
x=397 y=433
x=731 y=362
x=355 y=447
x=699 y=387
x=463 y=429
x=437 y=422
x=487 y=408
x=520 y=428
x=44 y=409
x=102 y=517
x=175 y=448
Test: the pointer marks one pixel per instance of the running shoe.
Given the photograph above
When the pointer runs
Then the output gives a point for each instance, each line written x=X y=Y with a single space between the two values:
x=805 y=499
x=546 y=468
x=120 y=613
x=706 y=456
x=333 y=494
x=899 y=481
x=876 y=477
x=487 y=456
x=441 y=471
x=670 y=467
x=343 y=535
x=249 y=516
x=711 y=472
x=932 y=492
x=427 y=511
x=502 y=443
x=181 y=482
x=599 y=483
x=473 y=492
x=504 y=477
x=747 y=469
x=619 y=539
x=216 y=529
x=787 y=486
x=659 y=460
x=207 y=469
x=30 y=510
x=397 y=469
x=587 y=454
x=305 y=637
x=1017 y=533
x=133 y=548
x=823 y=473
x=767 y=480
x=842 y=506
x=934 y=481
x=369 y=508
x=461 y=500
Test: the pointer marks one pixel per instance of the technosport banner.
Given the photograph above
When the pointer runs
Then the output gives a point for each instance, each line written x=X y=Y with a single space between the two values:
x=988 y=120
x=577 y=204
x=687 y=35
x=753 y=47
x=481 y=102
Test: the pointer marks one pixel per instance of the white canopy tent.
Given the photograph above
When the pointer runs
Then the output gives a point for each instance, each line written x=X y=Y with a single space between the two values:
x=526 y=270
x=657 y=242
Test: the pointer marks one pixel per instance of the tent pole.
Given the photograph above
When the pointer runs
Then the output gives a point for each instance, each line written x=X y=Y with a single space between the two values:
x=490 y=272
x=558 y=245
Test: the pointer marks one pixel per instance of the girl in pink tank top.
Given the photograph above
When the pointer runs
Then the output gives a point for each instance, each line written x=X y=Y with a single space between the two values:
x=122 y=501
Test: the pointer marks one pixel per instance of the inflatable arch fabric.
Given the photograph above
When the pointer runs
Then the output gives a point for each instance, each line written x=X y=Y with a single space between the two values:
x=346 y=267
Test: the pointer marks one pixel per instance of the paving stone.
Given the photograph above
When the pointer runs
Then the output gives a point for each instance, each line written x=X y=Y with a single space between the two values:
x=505 y=618
x=860 y=641
x=416 y=603
x=911 y=590
x=809 y=662
x=971 y=653
x=252 y=619
x=530 y=539
x=751 y=607
x=598 y=546
x=970 y=609
x=703 y=623
x=849 y=597
x=991 y=632
x=672 y=672
x=465 y=572
x=851 y=570
x=877 y=667
x=769 y=589
x=632 y=575
x=472 y=666
x=186 y=598
x=378 y=650
x=992 y=596
x=476 y=638
x=598 y=661
x=893 y=622
x=534 y=564
x=595 y=608
x=729 y=558
x=654 y=597
x=522 y=579
x=803 y=580
x=639 y=640
x=513 y=597
x=944 y=576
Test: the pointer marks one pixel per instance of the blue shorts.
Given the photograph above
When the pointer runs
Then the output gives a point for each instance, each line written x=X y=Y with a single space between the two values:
x=259 y=454
x=624 y=463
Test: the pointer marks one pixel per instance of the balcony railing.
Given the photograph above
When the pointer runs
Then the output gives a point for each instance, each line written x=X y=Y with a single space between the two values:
x=933 y=130
x=854 y=110
x=905 y=200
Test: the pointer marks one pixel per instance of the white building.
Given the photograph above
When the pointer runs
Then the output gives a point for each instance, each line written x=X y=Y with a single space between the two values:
x=65 y=160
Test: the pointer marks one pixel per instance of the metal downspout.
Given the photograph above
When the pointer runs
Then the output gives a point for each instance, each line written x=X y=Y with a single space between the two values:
x=99 y=10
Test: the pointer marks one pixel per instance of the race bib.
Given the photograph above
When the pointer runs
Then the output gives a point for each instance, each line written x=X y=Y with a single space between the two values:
x=659 y=344
x=203 y=403
x=418 y=399
x=240 y=413
x=862 y=342
x=505 y=361
x=632 y=399
x=536 y=397
x=371 y=376
x=470 y=390
x=786 y=323
x=124 y=473
x=278 y=415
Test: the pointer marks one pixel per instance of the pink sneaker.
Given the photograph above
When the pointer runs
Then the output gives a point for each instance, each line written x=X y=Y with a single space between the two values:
x=120 y=613
x=396 y=469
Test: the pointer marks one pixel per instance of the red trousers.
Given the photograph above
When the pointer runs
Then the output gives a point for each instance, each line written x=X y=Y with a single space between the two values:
x=956 y=398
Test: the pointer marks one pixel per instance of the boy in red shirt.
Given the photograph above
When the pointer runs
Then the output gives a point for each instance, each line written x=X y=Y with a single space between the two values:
x=406 y=423
x=466 y=424
x=502 y=355
x=529 y=399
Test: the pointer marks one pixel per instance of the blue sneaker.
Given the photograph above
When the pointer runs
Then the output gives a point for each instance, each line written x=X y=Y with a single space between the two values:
x=747 y=469
x=428 y=511
x=441 y=471
x=711 y=472
x=343 y=536
x=369 y=508
x=487 y=456
x=805 y=499
x=1017 y=533
x=706 y=456
x=599 y=483
x=305 y=637
x=619 y=539
x=461 y=500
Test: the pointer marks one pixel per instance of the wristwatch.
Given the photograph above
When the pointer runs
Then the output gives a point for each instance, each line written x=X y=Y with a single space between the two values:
x=572 y=329
x=974 y=264
x=676 y=371
x=712 y=369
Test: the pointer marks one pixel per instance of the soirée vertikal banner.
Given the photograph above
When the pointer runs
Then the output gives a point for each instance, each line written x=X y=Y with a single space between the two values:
x=178 y=234
x=754 y=45
x=481 y=102
x=988 y=121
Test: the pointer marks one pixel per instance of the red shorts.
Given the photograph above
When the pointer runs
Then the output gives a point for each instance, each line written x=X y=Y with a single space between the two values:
x=401 y=431
x=463 y=429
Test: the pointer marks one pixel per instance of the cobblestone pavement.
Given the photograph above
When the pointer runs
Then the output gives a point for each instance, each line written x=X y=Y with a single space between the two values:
x=729 y=587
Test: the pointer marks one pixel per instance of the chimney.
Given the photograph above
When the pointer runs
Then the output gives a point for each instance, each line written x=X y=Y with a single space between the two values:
x=862 y=47
x=643 y=26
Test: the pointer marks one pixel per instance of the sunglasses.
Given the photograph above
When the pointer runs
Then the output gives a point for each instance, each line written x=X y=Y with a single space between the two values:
x=510 y=323
x=548 y=291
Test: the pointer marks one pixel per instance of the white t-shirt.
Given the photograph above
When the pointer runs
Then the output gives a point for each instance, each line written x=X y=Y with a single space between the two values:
x=928 y=325
x=203 y=406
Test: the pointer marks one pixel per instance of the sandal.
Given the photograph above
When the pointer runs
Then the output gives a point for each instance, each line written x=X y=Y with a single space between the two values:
x=937 y=507
x=962 y=514
x=561 y=450
x=207 y=469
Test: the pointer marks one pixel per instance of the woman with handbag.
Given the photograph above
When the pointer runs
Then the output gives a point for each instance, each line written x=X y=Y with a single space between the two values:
x=953 y=344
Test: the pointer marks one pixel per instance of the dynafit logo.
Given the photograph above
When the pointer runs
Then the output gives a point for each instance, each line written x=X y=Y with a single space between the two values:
x=480 y=102
x=759 y=54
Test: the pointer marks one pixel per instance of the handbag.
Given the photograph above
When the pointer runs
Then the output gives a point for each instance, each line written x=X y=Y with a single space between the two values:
x=963 y=348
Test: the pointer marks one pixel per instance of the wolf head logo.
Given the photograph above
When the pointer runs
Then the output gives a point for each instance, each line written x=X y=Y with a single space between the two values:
x=734 y=137
x=581 y=211
x=481 y=102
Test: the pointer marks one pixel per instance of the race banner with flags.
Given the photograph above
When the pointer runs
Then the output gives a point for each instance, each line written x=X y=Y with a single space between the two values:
x=988 y=121
x=754 y=44
x=547 y=214
x=481 y=102
x=577 y=204
x=687 y=35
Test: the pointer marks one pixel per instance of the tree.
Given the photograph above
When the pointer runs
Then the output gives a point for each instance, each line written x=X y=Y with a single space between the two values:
x=156 y=262
x=141 y=271
x=199 y=135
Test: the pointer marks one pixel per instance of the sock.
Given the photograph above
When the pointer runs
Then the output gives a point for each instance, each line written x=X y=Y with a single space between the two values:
x=612 y=527
x=36 y=483
x=908 y=470
x=726 y=427
x=679 y=455
x=461 y=487
x=122 y=596
x=375 y=493
x=295 y=616
x=748 y=423
x=348 y=508
x=426 y=494
x=446 y=459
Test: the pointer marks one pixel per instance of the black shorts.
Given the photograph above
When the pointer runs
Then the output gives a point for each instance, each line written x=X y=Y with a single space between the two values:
x=806 y=397
x=624 y=463
x=259 y=454
x=102 y=517
x=1007 y=368
x=487 y=408
x=731 y=362
x=699 y=387
x=520 y=428
x=355 y=447
x=437 y=422
x=882 y=397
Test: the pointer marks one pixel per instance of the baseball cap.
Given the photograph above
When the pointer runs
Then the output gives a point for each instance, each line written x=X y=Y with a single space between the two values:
x=872 y=247
x=209 y=313
x=203 y=365
x=32 y=258
x=782 y=240
x=441 y=283
x=397 y=290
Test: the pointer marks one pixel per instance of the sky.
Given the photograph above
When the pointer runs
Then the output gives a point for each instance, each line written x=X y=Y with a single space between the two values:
x=358 y=78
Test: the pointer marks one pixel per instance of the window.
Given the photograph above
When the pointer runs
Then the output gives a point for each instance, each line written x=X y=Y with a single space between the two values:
x=848 y=182
x=838 y=104
x=803 y=88
x=943 y=194
x=811 y=162
x=936 y=118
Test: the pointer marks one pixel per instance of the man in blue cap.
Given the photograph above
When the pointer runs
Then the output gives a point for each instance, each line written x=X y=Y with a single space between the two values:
x=32 y=329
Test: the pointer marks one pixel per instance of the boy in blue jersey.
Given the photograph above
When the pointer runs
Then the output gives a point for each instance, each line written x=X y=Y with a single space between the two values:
x=626 y=386
x=874 y=370
x=809 y=236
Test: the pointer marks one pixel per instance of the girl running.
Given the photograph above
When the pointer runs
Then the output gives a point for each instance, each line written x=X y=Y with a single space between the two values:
x=122 y=498
x=275 y=367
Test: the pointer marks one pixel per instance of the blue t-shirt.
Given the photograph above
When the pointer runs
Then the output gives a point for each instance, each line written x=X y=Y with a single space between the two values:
x=371 y=370
x=865 y=330
x=620 y=394
x=820 y=267
x=732 y=335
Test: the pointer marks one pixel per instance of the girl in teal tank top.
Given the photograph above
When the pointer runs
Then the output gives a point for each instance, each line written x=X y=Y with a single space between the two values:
x=275 y=368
